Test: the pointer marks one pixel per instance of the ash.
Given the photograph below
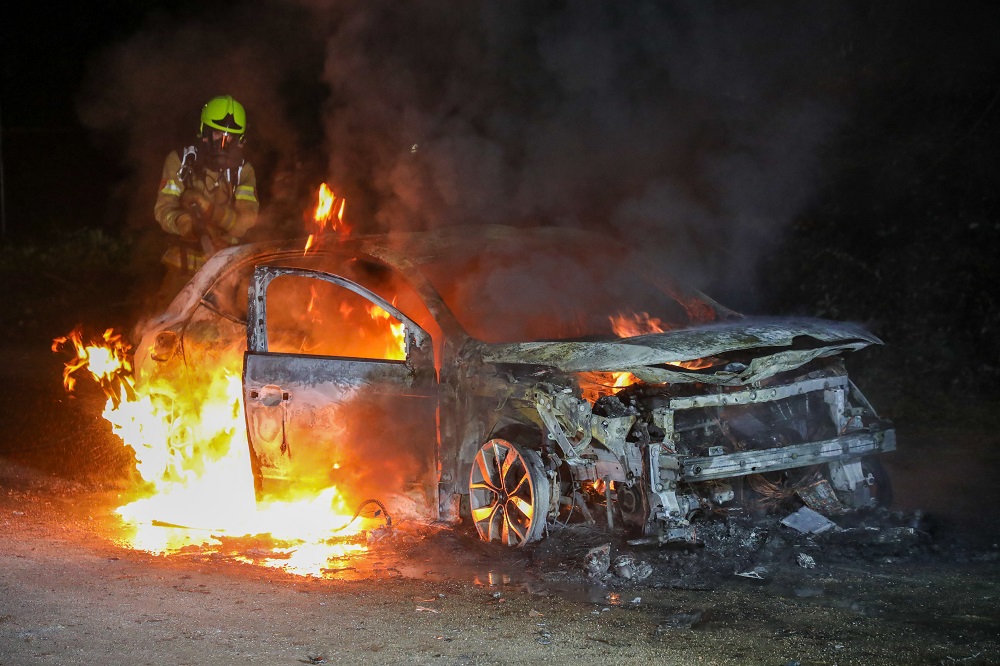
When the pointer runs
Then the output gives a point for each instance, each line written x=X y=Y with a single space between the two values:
x=754 y=548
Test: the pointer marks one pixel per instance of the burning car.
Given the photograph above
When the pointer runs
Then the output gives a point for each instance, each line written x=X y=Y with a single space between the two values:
x=520 y=379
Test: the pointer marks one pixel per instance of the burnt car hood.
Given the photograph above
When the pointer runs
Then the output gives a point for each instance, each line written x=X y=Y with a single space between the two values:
x=744 y=351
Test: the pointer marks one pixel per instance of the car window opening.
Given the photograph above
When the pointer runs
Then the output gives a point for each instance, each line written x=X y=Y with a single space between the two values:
x=315 y=317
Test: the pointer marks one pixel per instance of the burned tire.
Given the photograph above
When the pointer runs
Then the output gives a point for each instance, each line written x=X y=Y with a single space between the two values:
x=508 y=493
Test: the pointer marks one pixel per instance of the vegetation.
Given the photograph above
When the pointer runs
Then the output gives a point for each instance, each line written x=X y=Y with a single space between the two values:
x=79 y=277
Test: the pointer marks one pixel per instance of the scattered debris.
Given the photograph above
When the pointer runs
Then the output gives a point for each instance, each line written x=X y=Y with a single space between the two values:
x=821 y=497
x=429 y=610
x=676 y=535
x=957 y=659
x=808 y=521
x=598 y=560
x=597 y=639
x=757 y=573
x=625 y=566
x=884 y=540
x=805 y=561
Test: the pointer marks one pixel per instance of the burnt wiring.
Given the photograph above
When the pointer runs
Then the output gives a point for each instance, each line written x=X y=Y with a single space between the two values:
x=576 y=502
x=572 y=496
x=382 y=510
x=774 y=494
x=728 y=434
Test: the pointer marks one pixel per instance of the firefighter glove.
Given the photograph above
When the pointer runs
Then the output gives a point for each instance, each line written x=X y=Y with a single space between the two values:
x=218 y=215
x=192 y=200
x=184 y=224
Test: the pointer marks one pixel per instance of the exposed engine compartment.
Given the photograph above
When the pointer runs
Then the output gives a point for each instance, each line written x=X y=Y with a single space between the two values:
x=658 y=456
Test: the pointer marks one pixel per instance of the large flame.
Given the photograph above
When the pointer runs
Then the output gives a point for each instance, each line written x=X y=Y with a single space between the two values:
x=192 y=454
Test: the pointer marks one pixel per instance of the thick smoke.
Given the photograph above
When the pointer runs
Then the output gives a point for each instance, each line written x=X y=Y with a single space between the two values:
x=694 y=129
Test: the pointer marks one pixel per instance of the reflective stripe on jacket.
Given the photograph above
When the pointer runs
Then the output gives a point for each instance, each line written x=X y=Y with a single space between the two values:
x=240 y=207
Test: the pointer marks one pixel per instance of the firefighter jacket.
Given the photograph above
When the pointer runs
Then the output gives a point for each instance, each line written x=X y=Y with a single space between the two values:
x=232 y=191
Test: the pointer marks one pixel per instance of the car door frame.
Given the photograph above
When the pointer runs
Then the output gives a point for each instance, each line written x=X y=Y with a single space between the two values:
x=416 y=371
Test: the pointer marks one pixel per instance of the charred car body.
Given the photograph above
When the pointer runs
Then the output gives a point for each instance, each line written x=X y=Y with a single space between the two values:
x=528 y=377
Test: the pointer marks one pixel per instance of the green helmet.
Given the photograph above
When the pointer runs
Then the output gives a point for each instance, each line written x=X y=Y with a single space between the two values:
x=225 y=114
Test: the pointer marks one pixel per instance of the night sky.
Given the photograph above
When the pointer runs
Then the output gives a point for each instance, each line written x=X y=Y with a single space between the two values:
x=819 y=158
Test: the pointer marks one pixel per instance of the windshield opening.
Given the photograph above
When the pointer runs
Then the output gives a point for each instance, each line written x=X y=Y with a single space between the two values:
x=519 y=293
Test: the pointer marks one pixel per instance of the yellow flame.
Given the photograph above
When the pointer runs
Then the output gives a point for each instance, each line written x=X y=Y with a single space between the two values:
x=594 y=385
x=396 y=347
x=324 y=204
x=193 y=456
x=106 y=359
x=326 y=199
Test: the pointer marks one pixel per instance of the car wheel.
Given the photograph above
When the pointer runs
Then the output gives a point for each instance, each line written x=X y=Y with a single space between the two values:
x=508 y=493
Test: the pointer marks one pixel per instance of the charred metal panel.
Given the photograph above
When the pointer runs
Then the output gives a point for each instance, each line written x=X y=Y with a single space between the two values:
x=643 y=355
x=612 y=431
x=367 y=426
x=303 y=370
x=847 y=447
x=754 y=395
x=567 y=418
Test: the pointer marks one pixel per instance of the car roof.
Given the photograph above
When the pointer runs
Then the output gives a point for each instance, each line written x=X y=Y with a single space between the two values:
x=438 y=262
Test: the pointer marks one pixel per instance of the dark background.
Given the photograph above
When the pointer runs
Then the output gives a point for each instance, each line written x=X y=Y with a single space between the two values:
x=823 y=159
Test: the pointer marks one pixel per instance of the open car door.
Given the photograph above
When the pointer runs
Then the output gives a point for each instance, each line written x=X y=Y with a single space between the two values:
x=340 y=389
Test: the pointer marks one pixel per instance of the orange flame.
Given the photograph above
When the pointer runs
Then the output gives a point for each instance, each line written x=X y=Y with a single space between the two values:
x=326 y=320
x=626 y=325
x=326 y=200
x=107 y=360
x=642 y=323
x=192 y=453
x=597 y=384
x=396 y=348
x=630 y=325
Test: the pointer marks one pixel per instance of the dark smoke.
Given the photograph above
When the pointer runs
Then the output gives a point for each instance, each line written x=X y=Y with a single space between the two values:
x=694 y=129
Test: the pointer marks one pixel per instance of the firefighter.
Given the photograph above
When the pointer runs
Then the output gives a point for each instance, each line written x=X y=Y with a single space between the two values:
x=208 y=194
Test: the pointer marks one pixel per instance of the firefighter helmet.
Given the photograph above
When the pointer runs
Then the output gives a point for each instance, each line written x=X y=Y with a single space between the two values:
x=225 y=114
